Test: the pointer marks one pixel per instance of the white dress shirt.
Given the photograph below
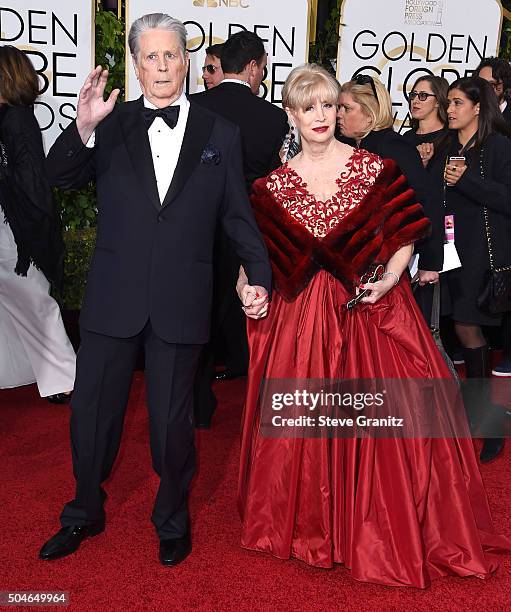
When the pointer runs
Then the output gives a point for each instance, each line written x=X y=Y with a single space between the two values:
x=239 y=81
x=166 y=143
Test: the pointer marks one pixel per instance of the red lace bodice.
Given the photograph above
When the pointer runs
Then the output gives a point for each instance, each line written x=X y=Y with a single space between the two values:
x=290 y=191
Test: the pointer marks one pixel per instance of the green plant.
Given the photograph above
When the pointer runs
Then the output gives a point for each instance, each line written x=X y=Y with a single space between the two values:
x=77 y=207
x=110 y=43
x=505 y=38
x=325 y=47
x=79 y=244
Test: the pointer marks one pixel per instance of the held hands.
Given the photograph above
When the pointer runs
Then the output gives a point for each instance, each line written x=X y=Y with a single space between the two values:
x=92 y=108
x=253 y=297
x=426 y=151
x=255 y=301
x=452 y=174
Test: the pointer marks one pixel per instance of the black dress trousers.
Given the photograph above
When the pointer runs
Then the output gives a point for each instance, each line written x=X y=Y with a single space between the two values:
x=104 y=373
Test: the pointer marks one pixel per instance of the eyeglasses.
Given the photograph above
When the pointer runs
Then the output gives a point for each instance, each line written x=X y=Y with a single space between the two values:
x=365 y=79
x=496 y=84
x=210 y=68
x=422 y=95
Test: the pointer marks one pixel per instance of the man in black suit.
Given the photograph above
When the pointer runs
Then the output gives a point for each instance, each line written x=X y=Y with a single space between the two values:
x=167 y=171
x=263 y=125
x=263 y=128
x=212 y=73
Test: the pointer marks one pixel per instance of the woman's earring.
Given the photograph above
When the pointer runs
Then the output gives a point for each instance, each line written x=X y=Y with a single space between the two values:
x=291 y=145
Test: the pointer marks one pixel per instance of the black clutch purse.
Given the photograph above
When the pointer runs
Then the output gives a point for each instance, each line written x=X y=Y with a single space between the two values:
x=495 y=297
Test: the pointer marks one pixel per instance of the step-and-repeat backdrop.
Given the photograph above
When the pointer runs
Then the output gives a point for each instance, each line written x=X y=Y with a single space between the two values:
x=59 y=38
x=397 y=40
x=282 y=24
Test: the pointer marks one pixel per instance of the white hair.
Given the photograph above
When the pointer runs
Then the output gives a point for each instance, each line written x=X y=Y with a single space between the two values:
x=155 y=21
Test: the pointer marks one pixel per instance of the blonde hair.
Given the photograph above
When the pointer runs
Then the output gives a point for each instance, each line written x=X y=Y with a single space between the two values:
x=379 y=109
x=308 y=83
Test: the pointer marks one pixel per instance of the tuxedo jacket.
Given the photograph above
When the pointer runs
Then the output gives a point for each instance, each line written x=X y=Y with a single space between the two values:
x=263 y=126
x=153 y=260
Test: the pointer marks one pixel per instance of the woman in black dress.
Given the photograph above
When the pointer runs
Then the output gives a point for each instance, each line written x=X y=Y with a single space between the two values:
x=428 y=109
x=430 y=136
x=483 y=181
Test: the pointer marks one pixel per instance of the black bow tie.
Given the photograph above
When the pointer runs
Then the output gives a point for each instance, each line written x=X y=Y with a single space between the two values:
x=169 y=114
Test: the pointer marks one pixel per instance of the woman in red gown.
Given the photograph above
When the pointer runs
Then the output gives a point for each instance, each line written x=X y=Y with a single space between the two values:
x=394 y=511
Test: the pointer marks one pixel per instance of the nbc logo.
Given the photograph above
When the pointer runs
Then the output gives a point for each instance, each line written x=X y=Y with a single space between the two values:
x=220 y=3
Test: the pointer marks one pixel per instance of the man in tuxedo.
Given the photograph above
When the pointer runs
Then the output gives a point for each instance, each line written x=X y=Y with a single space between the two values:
x=263 y=128
x=167 y=171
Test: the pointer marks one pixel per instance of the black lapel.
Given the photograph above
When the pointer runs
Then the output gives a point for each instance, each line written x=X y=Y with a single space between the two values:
x=198 y=129
x=137 y=142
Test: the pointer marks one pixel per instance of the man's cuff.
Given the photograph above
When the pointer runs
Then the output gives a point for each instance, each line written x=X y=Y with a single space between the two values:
x=92 y=141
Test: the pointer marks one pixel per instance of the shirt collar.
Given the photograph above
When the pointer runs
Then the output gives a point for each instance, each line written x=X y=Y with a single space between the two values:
x=181 y=101
x=503 y=106
x=237 y=81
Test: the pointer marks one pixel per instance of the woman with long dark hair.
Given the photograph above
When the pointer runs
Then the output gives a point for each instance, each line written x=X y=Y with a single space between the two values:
x=497 y=71
x=35 y=347
x=478 y=195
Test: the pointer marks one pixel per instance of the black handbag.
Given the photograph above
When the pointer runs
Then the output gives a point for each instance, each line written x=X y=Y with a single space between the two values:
x=434 y=327
x=435 y=332
x=495 y=298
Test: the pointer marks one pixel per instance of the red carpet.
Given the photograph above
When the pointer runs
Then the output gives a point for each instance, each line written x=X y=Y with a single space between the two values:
x=119 y=569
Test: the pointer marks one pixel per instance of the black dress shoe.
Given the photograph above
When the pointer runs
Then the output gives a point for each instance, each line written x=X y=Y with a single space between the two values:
x=491 y=448
x=228 y=375
x=68 y=540
x=203 y=412
x=59 y=398
x=203 y=424
x=174 y=551
x=203 y=421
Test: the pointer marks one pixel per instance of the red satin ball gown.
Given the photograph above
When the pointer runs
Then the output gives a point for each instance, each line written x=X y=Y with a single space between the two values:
x=396 y=512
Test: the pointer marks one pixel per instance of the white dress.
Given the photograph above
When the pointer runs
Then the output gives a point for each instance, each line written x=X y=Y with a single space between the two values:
x=34 y=346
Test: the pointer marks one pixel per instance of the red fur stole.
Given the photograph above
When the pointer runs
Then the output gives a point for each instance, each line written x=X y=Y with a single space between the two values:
x=387 y=219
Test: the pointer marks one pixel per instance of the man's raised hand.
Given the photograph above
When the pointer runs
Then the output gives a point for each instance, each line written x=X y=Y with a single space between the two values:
x=92 y=108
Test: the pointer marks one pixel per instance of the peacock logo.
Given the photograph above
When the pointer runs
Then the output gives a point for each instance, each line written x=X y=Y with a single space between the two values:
x=220 y=3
